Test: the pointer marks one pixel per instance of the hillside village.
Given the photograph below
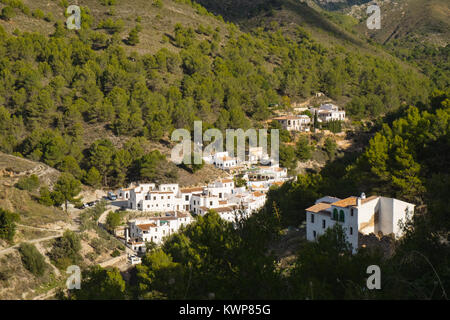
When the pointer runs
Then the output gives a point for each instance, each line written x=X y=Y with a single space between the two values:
x=87 y=122
x=175 y=207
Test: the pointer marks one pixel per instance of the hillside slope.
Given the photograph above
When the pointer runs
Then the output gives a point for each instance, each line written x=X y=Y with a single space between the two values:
x=101 y=103
x=414 y=20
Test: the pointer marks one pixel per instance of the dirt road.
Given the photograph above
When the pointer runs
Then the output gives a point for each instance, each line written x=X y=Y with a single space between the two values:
x=14 y=247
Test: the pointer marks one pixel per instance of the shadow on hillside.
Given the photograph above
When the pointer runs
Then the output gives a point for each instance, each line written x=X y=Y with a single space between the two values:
x=238 y=11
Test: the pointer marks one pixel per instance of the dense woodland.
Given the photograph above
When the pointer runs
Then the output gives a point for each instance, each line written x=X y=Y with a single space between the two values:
x=53 y=88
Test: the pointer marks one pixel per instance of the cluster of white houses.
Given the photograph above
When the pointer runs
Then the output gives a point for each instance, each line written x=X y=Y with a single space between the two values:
x=223 y=160
x=173 y=205
x=325 y=113
x=357 y=215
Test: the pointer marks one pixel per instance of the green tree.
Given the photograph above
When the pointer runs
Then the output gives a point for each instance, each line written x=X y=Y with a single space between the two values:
x=113 y=220
x=8 y=224
x=287 y=157
x=68 y=188
x=149 y=166
x=159 y=276
x=7 y=13
x=133 y=37
x=338 y=275
x=303 y=148
x=330 y=147
x=70 y=165
x=93 y=178
x=45 y=196
x=100 y=284
x=100 y=156
x=65 y=250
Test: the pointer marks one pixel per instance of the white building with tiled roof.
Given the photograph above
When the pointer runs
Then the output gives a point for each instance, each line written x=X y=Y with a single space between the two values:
x=223 y=161
x=154 y=229
x=198 y=200
x=294 y=122
x=357 y=214
x=328 y=112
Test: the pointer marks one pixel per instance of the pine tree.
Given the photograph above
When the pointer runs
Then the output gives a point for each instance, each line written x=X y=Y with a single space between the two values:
x=133 y=37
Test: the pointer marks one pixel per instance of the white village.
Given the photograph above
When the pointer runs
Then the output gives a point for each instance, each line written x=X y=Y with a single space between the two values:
x=169 y=207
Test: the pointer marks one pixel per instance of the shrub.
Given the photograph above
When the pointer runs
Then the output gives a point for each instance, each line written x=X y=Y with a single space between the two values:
x=7 y=13
x=30 y=183
x=38 y=13
x=8 y=224
x=32 y=259
x=157 y=3
x=66 y=250
x=113 y=220
x=115 y=253
x=45 y=197
x=133 y=36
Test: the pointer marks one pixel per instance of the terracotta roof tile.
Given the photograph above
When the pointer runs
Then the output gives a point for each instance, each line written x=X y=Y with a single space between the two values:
x=146 y=227
x=318 y=207
x=347 y=202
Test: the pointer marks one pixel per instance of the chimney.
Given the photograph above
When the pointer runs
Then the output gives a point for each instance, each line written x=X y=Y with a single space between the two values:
x=363 y=195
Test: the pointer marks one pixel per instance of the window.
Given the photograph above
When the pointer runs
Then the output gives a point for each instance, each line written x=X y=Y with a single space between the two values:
x=210 y=203
x=314 y=234
x=351 y=230
x=351 y=212
x=312 y=218
x=323 y=223
x=186 y=198
x=341 y=216
x=335 y=214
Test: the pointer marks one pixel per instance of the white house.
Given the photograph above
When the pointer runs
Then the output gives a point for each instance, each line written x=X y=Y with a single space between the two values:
x=256 y=155
x=328 y=112
x=225 y=162
x=221 y=188
x=204 y=200
x=154 y=229
x=186 y=195
x=294 y=122
x=357 y=214
x=146 y=197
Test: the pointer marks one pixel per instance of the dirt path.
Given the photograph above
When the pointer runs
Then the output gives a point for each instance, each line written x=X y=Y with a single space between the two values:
x=37 y=228
x=113 y=261
x=12 y=248
x=49 y=294
x=41 y=249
